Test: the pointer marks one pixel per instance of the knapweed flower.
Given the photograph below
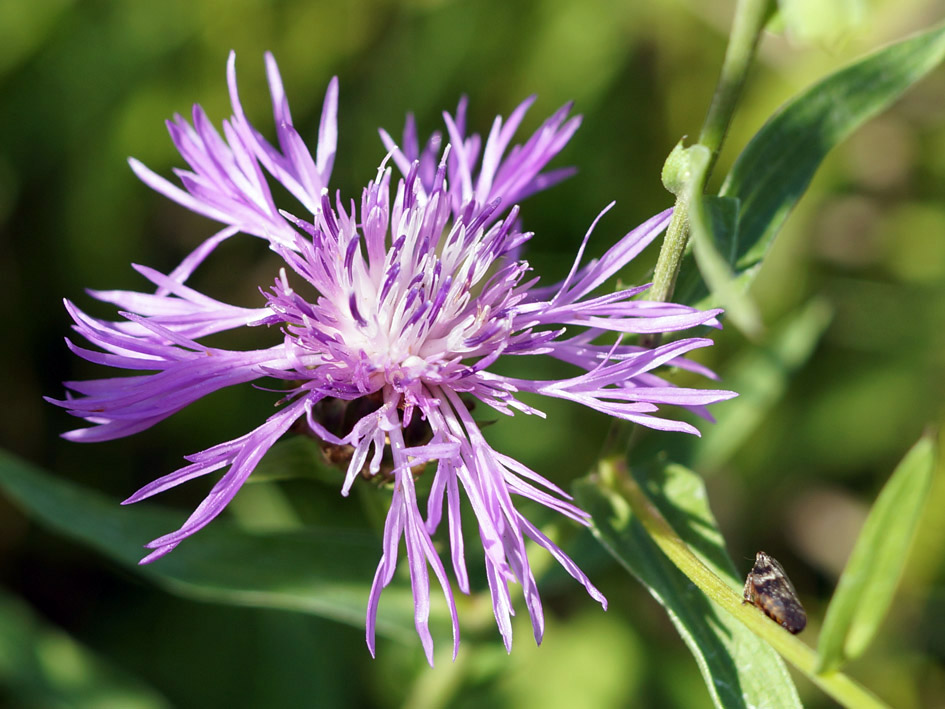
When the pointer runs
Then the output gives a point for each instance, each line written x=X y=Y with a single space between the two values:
x=394 y=313
x=227 y=177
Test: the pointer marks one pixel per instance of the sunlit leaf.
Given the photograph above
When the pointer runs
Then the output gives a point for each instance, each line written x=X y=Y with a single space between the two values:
x=326 y=572
x=865 y=590
x=739 y=669
x=773 y=171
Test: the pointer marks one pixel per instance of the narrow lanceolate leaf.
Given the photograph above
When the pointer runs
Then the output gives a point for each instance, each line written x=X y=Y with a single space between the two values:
x=773 y=171
x=325 y=572
x=740 y=670
x=869 y=580
x=707 y=217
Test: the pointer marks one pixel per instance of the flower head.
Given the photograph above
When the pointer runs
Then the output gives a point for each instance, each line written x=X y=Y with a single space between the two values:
x=395 y=309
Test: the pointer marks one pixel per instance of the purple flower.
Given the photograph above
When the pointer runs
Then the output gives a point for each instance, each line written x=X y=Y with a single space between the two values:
x=508 y=181
x=393 y=313
x=227 y=178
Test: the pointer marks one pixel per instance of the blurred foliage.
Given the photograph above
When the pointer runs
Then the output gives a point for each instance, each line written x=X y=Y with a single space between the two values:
x=83 y=85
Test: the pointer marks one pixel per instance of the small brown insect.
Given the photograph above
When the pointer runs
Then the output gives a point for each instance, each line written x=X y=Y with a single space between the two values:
x=768 y=588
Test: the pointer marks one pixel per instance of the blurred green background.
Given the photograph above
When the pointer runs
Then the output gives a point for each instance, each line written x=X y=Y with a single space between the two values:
x=84 y=85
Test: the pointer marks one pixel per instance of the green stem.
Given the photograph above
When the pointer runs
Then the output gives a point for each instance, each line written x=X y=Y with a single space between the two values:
x=671 y=253
x=839 y=686
x=750 y=18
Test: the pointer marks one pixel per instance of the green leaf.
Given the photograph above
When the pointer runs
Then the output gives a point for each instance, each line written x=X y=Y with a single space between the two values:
x=739 y=669
x=709 y=217
x=760 y=376
x=866 y=588
x=42 y=666
x=326 y=572
x=773 y=171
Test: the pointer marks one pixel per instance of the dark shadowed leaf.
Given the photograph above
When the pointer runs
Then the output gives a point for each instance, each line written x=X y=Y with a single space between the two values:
x=326 y=572
x=42 y=666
